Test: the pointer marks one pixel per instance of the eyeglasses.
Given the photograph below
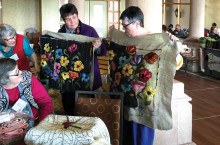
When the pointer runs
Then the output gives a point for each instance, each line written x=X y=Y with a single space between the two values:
x=10 y=39
x=126 y=25
x=16 y=74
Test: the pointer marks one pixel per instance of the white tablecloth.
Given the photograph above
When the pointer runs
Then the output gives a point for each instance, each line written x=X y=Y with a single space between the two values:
x=50 y=131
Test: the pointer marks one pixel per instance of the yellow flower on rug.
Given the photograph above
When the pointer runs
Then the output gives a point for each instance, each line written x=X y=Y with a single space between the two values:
x=127 y=70
x=65 y=75
x=64 y=61
x=78 y=66
x=43 y=63
x=110 y=54
x=149 y=92
x=47 y=47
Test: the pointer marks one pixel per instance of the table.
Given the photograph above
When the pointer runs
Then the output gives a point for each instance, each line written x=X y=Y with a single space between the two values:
x=51 y=131
x=212 y=62
x=189 y=59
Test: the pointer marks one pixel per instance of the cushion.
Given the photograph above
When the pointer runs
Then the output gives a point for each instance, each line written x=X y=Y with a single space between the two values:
x=106 y=109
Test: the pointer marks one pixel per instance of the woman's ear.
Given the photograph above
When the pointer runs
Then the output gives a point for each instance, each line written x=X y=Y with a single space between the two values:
x=137 y=24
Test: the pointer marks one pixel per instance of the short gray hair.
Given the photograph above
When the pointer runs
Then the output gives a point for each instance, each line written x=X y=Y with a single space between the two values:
x=6 y=30
x=133 y=14
x=178 y=25
x=6 y=65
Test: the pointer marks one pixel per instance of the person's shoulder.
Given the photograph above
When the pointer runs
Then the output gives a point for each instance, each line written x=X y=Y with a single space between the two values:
x=88 y=30
x=87 y=27
x=62 y=29
x=182 y=30
x=26 y=39
x=20 y=36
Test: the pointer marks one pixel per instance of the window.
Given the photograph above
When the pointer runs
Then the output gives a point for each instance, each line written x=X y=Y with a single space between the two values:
x=110 y=16
x=173 y=10
x=113 y=13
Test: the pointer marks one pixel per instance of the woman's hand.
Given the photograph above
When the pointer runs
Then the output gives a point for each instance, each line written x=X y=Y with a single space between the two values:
x=44 y=32
x=112 y=27
x=173 y=37
x=96 y=43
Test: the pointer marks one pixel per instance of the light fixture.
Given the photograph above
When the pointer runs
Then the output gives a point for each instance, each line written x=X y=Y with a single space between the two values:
x=176 y=13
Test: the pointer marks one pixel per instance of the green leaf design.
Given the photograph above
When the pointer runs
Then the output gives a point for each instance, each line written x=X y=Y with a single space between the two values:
x=147 y=102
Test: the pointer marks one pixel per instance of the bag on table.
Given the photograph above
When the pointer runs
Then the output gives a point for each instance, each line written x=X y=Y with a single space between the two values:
x=202 y=42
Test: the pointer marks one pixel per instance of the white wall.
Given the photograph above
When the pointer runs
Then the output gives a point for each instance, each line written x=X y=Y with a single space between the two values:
x=21 y=14
x=50 y=15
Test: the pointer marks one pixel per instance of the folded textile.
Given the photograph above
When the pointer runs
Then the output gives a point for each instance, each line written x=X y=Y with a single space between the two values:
x=16 y=123
x=18 y=140
x=14 y=133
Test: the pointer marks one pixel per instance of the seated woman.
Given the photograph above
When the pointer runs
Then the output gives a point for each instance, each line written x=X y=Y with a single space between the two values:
x=213 y=33
x=17 y=47
x=170 y=28
x=16 y=85
x=178 y=32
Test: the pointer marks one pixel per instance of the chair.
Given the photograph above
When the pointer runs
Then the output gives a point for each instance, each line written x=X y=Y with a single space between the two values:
x=104 y=64
x=34 y=39
x=189 y=59
x=110 y=110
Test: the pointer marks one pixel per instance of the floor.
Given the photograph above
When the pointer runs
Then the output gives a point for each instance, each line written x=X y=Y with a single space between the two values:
x=205 y=94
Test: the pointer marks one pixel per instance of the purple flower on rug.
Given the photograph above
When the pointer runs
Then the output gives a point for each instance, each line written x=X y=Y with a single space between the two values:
x=50 y=57
x=136 y=85
x=54 y=75
x=72 y=48
x=57 y=67
x=136 y=59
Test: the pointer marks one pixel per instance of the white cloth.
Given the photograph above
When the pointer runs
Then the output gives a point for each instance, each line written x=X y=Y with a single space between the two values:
x=51 y=131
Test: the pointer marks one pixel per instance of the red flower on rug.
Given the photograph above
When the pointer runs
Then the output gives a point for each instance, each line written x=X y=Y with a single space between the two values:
x=131 y=49
x=144 y=75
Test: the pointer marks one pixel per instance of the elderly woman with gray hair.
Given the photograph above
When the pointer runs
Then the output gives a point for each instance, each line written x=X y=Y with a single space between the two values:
x=22 y=86
x=17 y=47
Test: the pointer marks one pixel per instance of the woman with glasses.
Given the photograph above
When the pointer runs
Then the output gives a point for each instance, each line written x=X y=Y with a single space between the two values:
x=17 y=47
x=17 y=85
x=133 y=25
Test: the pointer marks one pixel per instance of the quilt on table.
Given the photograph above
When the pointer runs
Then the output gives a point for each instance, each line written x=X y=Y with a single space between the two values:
x=51 y=131
x=65 y=61
x=143 y=68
